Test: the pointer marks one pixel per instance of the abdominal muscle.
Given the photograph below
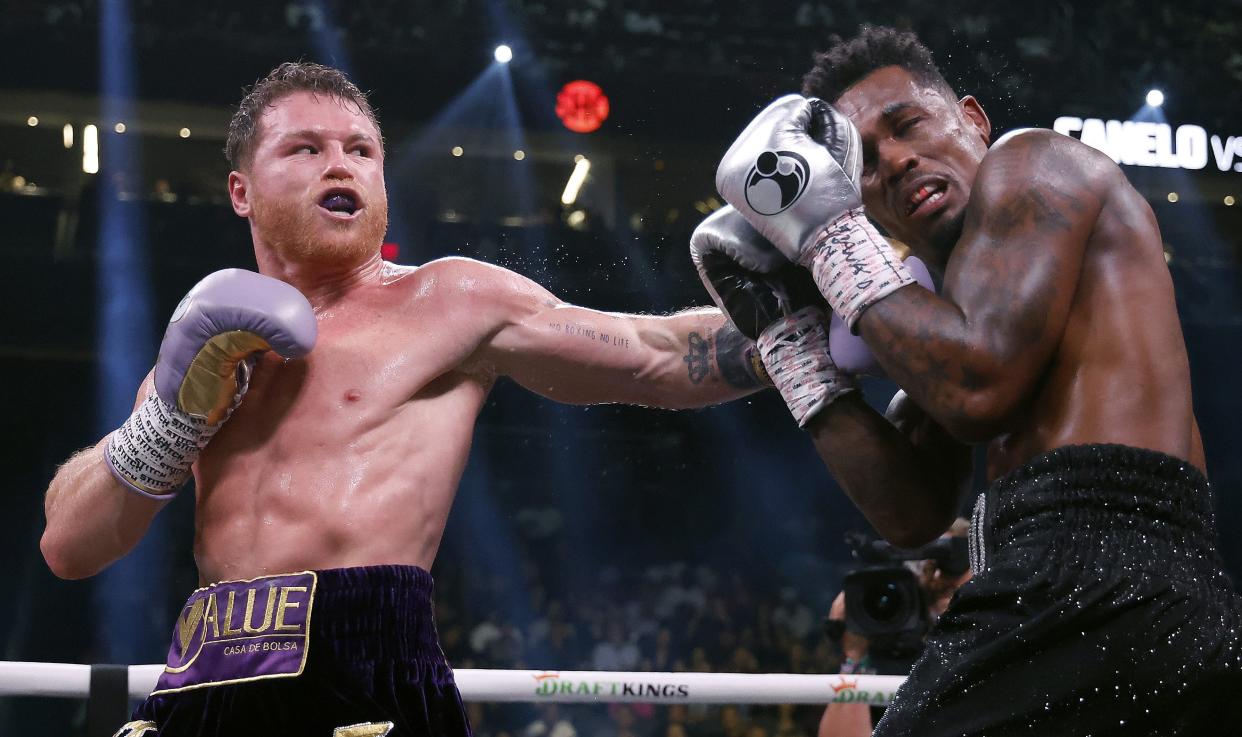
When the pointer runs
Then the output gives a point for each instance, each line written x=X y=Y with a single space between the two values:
x=328 y=466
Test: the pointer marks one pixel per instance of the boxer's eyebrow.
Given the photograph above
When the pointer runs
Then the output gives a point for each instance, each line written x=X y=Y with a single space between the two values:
x=319 y=134
x=360 y=136
x=892 y=109
x=304 y=133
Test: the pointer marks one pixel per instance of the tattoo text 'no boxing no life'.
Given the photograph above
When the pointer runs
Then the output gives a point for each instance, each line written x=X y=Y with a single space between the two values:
x=590 y=334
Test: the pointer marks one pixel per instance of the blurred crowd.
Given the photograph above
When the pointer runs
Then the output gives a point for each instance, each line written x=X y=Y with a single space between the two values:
x=665 y=618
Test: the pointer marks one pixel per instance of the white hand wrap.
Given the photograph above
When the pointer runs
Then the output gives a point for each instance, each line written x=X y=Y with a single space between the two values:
x=854 y=266
x=795 y=352
x=152 y=453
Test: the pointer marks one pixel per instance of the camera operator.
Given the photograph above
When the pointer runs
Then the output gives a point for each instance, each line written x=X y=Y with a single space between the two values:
x=891 y=637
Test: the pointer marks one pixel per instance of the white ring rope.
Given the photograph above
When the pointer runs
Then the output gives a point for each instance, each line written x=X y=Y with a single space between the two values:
x=567 y=686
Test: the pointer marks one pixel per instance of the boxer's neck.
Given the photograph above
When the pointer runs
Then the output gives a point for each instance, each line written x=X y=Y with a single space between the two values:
x=323 y=283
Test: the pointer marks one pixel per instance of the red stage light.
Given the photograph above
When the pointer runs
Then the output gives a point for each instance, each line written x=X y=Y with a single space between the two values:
x=582 y=106
x=390 y=251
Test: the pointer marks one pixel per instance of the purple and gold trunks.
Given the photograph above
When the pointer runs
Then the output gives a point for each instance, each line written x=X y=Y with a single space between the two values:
x=240 y=631
x=306 y=653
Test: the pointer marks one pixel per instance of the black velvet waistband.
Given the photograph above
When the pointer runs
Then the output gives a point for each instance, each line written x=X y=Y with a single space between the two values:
x=376 y=611
x=1106 y=506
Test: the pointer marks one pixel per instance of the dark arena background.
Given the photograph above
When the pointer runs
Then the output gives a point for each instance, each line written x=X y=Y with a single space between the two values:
x=709 y=540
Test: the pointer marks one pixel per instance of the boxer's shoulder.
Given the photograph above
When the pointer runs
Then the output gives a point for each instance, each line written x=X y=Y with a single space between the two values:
x=480 y=300
x=469 y=302
x=457 y=282
x=1041 y=178
x=1044 y=155
x=460 y=275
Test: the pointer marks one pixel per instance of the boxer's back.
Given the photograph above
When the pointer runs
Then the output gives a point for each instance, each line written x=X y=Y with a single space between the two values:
x=1120 y=373
x=351 y=456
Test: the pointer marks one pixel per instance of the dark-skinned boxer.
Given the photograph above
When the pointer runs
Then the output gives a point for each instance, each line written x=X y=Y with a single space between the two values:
x=1099 y=605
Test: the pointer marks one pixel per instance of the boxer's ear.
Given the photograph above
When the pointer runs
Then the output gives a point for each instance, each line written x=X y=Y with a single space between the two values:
x=973 y=112
x=239 y=193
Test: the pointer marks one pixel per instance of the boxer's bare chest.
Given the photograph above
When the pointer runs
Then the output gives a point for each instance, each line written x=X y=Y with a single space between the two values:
x=375 y=356
x=1120 y=373
x=370 y=431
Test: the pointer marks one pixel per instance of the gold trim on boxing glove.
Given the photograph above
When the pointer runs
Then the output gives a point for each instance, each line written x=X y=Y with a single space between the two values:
x=211 y=379
x=756 y=366
x=136 y=729
x=368 y=729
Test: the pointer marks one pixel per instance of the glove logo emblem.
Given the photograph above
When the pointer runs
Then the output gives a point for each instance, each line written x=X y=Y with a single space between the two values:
x=776 y=181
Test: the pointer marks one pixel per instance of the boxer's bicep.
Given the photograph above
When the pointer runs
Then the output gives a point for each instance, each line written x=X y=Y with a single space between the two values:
x=1020 y=259
x=571 y=354
x=971 y=357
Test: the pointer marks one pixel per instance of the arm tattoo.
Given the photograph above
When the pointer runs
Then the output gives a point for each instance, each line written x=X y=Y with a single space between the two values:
x=735 y=357
x=1043 y=207
x=698 y=358
x=738 y=359
x=582 y=331
x=1031 y=209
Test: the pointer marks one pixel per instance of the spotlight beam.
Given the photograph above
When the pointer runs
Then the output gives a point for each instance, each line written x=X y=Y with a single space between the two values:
x=126 y=340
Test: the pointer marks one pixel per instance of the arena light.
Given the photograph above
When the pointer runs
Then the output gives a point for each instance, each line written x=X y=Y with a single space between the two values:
x=503 y=54
x=570 y=195
x=184 y=132
x=119 y=127
x=1173 y=197
x=32 y=121
x=90 y=149
x=66 y=135
x=519 y=155
x=1155 y=98
x=582 y=106
x=477 y=125
x=1229 y=200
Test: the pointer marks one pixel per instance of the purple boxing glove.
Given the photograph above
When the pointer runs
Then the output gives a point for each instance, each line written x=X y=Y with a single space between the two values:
x=217 y=332
x=849 y=351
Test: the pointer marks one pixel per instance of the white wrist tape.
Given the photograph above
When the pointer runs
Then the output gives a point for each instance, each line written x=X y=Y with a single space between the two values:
x=795 y=352
x=153 y=451
x=854 y=266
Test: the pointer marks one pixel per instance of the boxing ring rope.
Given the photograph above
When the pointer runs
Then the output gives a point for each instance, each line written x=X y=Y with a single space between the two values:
x=71 y=680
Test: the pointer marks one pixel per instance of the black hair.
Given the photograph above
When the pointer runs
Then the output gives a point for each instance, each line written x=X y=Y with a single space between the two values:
x=848 y=61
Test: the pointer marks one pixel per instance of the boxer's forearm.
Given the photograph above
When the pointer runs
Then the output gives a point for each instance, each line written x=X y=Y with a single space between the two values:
x=907 y=498
x=92 y=520
x=699 y=359
x=582 y=356
x=966 y=378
